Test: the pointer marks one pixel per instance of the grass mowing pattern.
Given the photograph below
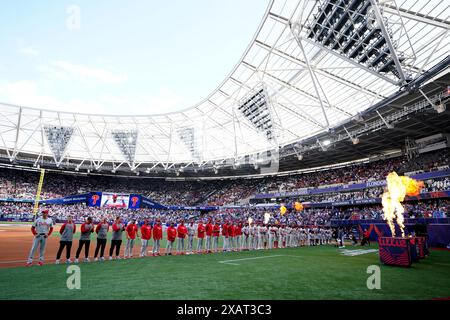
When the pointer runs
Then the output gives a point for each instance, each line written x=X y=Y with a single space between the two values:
x=300 y=273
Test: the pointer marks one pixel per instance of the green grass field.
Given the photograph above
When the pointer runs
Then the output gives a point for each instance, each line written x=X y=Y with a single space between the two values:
x=296 y=273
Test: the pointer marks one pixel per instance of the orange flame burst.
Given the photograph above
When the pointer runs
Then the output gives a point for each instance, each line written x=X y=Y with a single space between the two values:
x=298 y=206
x=398 y=187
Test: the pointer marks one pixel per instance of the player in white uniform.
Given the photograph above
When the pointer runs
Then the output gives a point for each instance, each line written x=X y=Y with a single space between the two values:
x=245 y=237
x=288 y=236
x=281 y=235
x=308 y=236
x=42 y=228
x=252 y=237
x=296 y=236
x=301 y=237
x=191 y=233
x=272 y=236
x=264 y=239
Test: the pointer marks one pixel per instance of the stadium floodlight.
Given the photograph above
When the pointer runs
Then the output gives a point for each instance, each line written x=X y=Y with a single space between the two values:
x=255 y=108
x=440 y=108
x=355 y=141
x=126 y=141
x=351 y=28
x=300 y=157
x=326 y=143
x=187 y=136
x=58 y=138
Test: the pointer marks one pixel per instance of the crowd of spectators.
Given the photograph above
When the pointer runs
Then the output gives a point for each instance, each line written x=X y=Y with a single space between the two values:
x=20 y=184
x=307 y=217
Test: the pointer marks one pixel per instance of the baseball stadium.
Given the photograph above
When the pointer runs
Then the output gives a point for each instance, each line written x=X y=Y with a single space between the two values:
x=317 y=167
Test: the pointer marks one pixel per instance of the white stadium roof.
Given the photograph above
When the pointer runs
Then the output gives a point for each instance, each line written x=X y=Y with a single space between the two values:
x=311 y=66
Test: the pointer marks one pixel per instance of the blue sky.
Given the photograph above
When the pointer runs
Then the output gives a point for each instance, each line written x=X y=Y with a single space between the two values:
x=120 y=56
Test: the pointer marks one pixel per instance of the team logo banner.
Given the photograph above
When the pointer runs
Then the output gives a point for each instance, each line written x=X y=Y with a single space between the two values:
x=94 y=199
x=135 y=201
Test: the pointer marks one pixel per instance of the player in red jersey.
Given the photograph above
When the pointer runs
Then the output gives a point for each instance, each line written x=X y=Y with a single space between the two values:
x=231 y=236
x=157 y=237
x=182 y=232
x=146 y=235
x=171 y=236
x=238 y=236
x=132 y=232
x=216 y=233
x=201 y=229
x=225 y=236
x=209 y=236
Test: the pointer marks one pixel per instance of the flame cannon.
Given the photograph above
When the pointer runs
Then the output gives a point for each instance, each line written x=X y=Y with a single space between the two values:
x=399 y=251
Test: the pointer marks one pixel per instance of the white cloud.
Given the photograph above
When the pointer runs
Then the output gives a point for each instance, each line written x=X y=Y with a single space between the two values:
x=162 y=101
x=87 y=73
x=26 y=93
x=28 y=51
x=29 y=94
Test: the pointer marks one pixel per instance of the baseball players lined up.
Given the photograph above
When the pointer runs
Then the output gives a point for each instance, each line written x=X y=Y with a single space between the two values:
x=236 y=236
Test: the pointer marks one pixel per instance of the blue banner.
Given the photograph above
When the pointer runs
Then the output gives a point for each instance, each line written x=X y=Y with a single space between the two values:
x=94 y=199
x=135 y=201
x=148 y=203
x=16 y=200
x=79 y=198
x=201 y=208
x=349 y=187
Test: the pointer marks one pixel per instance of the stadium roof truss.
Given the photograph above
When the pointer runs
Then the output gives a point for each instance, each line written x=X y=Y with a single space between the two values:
x=311 y=66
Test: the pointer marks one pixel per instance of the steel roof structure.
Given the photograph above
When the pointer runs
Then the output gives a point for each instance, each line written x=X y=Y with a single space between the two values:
x=312 y=68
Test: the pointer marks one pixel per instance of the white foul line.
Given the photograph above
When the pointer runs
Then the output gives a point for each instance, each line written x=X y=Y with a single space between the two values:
x=12 y=261
x=254 y=258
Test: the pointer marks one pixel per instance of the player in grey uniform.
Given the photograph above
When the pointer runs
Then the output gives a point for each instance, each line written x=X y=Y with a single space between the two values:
x=116 y=239
x=191 y=234
x=102 y=233
x=85 y=239
x=67 y=230
x=41 y=229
